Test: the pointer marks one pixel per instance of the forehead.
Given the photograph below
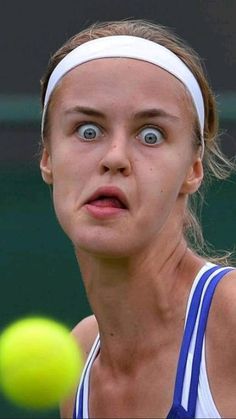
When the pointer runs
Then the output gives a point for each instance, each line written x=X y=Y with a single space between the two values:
x=123 y=80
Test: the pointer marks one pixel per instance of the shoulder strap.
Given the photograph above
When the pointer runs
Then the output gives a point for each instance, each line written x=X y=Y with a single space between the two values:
x=81 y=397
x=214 y=275
x=188 y=332
x=193 y=390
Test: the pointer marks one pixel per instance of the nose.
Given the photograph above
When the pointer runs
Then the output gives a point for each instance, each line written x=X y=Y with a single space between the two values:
x=116 y=158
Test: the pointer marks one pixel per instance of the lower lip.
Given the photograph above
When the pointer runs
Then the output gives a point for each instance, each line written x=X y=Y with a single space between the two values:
x=103 y=212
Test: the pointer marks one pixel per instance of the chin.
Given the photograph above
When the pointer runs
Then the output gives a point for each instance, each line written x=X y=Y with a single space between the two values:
x=106 y=241
x=104 y=246
x=102 y=250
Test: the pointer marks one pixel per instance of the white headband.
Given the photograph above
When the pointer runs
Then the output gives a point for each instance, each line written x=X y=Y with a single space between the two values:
x=129 y=47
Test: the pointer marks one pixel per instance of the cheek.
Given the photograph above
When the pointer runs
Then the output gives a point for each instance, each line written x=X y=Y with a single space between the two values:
x=160 y=185
x=161 y=178
x=68 y=181
x=69 y=165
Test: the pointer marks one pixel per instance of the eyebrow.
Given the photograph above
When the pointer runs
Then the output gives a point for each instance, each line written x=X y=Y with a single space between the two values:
x=153 y=112
x=146 y=113
x=85 y=110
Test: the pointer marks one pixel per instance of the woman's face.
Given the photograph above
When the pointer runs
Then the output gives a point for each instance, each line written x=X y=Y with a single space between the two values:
x=120 y=155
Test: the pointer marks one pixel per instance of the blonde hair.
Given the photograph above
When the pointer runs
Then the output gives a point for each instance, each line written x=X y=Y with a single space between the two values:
x=216 y=165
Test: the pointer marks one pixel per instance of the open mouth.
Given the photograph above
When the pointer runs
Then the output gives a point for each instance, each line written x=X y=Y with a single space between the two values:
x=107 y=197
x=104 y=201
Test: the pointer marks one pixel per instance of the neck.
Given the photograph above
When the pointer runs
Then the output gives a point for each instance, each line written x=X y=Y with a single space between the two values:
x=132 y=295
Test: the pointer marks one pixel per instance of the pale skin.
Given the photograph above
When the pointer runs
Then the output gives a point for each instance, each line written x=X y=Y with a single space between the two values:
x=135 y=263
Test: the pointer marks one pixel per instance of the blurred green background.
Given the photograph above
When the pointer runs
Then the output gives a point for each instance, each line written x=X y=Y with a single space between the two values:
x=38 y=271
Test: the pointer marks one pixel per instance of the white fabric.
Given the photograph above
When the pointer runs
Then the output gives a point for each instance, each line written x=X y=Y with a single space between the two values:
x=85 y=377
x=129 y=47
x=205 y=407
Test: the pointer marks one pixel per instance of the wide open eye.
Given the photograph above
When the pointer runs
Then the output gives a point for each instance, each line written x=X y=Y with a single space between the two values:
x=89 y=132
x=151 y=136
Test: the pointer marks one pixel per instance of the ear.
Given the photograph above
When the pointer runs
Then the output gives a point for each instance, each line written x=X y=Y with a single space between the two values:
x=46 y=167
x=194 y=178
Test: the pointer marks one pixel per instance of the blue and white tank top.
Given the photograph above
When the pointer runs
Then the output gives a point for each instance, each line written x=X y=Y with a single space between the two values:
x=192 y=394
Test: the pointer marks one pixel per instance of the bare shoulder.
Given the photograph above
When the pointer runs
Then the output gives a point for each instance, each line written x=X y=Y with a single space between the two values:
x=85 y=333
x=221 y=325
x=223 y=310
x=225 y=297
x=221 y=345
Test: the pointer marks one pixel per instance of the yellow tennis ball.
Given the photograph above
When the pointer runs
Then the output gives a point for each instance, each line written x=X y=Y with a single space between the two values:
x=40 y=363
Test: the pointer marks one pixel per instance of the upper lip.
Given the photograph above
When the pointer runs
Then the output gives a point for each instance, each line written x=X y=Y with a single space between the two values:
x=109 y=191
